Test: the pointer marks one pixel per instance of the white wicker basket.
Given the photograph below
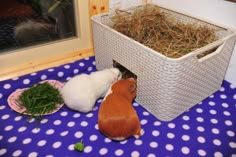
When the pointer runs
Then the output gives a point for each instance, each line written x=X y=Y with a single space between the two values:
x=166 y=87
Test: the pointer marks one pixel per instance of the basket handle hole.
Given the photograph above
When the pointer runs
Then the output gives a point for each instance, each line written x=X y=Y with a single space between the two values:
x=208 y=52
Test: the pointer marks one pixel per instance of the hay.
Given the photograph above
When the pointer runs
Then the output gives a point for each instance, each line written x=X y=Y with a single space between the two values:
x=154 y=29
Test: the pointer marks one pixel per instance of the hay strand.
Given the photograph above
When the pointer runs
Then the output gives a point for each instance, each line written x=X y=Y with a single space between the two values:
x=155 y=29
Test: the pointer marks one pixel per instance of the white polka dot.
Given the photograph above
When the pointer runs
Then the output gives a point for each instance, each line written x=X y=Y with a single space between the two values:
x=215 y=131
x=107 y=140
x=31 y=120
x=67 y=66
x=218 y=154
x=200 y=129
x=3 y=151
x=185 y=138
x=1 y=137
x=33 y=154
x=151 y=155
x=232 y=145
x=169 y=147
x=15 y=78
x=157 y=123
x=18 y=118
x=145 y=113
x=43 y=77
x=90 y=68
x=8 y=128
x=88 y=149
x=99 y=100
x=223 y=96
x=232 y=86
x=89 y=115
x=33 y=74
x=226 y=113
x=50 y=70
x=84 y=123
x=170 y=135
x=60 y=74
x=201 y=139
x=222 y=89
x=64 y=133
x=202 y=152
x=17 y=153
x=135 y=154
x=64 y=114
x=234 y=96
x=12 y=139
x=135 y=104
x=214 y=121
x=71 y=147
x=78 y=134
x=81 y=64
x=153 y=144
x=185 y=150
x=27 y=141
x=93 y=138
x=42 y=143
x=138 y=142
x=36 y=130
x=119 y=152
x=155 y=133
x=123 y=142
x=2 y=106
x=228 y=123
x=75 y=71
x=143 y=121
x=213 y=112
x=171 y=125
x=96 y=126
x=7 y=86
x=71 y=124
x=22 y=129
x=6 y=116
x=200 y=119
x=211 y=103
x=230 y=133
x=103 y=151
x=44 y=121
x=49 y=156
x=94 y=63
x=57 y=122
x=186 y=127
x=186 y=118
x=217 y=142
x=56 y=144
x=26 y=81
x=50 y=132
x=225 y=105
x=76 y=115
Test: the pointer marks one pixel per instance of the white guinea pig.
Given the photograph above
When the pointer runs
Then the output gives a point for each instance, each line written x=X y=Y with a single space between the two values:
x=81 y=92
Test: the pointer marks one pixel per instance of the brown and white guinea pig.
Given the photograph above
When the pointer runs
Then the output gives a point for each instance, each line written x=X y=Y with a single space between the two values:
x=117 y=119
x=81 y=92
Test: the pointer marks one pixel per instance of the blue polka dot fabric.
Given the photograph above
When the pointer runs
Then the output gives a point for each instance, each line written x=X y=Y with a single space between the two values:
x=208 y=129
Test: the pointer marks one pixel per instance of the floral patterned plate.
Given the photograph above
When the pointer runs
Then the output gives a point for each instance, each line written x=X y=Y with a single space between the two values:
x=13 y=97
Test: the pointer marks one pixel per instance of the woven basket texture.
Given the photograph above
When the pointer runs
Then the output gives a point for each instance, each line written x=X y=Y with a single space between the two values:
x=167 y=87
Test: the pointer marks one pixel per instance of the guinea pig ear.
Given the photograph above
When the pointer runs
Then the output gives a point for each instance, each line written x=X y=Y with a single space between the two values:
x=132 y=88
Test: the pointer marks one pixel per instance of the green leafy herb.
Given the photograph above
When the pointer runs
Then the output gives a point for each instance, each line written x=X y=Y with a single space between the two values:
x=40 y=99
x=79 y=146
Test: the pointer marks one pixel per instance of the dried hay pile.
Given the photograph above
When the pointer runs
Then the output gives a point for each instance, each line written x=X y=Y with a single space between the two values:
x=152 y=28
